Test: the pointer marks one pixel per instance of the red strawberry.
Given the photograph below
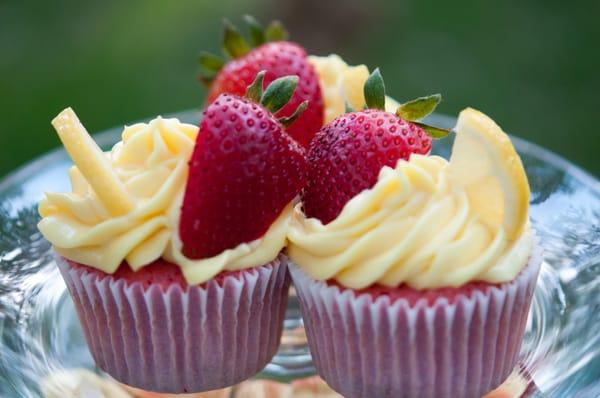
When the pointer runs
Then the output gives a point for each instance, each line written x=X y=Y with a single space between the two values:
x=243 y=172
x=347 y=155
x=279 y=58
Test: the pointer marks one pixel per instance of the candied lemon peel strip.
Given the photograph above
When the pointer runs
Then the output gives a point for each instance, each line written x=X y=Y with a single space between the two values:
x=92 y=163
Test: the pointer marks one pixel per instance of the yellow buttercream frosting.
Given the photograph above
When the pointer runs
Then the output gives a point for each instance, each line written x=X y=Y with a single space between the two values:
x=413 y=227
x=146 y=174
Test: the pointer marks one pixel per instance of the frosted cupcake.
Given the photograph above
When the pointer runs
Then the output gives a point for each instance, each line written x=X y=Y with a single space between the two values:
x=415 y=274
x=170 y=243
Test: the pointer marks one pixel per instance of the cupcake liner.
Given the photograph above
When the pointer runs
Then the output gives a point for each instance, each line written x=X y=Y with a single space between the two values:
x=375 y=347
x=181 y=340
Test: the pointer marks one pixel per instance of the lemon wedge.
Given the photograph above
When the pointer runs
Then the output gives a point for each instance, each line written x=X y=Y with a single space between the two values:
x=485 y=163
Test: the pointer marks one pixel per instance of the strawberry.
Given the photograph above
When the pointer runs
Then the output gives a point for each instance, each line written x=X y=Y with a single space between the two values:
x=243 y=171
x=347 y=154
x=279 y=58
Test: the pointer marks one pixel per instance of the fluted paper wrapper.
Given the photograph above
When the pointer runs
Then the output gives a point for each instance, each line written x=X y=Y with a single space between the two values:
x=181 y=340
x=373 y=347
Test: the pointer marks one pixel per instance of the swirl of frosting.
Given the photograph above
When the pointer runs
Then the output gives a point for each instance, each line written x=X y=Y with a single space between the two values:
x=151 y=162
x=413 y=227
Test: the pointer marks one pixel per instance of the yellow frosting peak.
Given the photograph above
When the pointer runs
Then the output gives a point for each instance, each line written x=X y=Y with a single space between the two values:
x=125 y=204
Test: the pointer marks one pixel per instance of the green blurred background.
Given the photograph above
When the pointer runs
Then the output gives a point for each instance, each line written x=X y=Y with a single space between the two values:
x=531 y=65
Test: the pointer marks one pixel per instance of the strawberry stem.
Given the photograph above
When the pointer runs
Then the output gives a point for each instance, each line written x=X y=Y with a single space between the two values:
x=276 y=32
x=206 y=80
x=348 y=108
x=286 y=121
x=418 y=108
x=210 y=62
x=254 y=92
x=278 y=93
x=257 y=32
x=234 y=44
x=434 y=132
x=374 y=91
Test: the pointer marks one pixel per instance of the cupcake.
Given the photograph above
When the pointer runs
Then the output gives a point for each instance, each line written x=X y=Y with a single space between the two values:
x=170 y=244
x=415 y=274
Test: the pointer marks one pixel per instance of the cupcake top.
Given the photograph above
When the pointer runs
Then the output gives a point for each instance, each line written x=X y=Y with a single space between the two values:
x=379 y=210
x=217 y=198
x=214 y=198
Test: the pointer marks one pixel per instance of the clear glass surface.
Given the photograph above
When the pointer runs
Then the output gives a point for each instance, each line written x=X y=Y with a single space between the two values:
x=40 y=335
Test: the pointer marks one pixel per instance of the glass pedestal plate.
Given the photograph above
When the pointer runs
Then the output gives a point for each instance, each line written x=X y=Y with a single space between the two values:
x=42 y=350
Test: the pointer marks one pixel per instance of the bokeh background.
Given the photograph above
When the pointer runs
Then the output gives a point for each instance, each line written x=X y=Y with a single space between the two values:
x=532 y=65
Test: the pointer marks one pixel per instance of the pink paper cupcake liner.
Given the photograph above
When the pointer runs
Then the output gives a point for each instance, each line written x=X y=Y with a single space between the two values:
x=377 y=347
x=181 y=340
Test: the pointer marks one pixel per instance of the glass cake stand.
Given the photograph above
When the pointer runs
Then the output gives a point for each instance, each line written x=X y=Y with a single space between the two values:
x=42 y=350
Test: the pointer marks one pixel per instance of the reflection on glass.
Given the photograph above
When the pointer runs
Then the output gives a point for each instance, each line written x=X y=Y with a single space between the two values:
x=79 y=383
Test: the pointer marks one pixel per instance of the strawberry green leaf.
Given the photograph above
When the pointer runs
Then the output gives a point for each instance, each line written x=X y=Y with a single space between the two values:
x=418 y=108
x=434 y=132
x=257 y=32
x=210 y=62
x=254 y=92
x=374 y=90
x=276 y=32
x=234 y=44
x=206 y=80
x=278 y=93
x=286 y=121
x=348 y=108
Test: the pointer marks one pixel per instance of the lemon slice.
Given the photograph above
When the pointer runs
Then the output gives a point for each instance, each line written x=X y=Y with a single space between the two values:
x=484 y=162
